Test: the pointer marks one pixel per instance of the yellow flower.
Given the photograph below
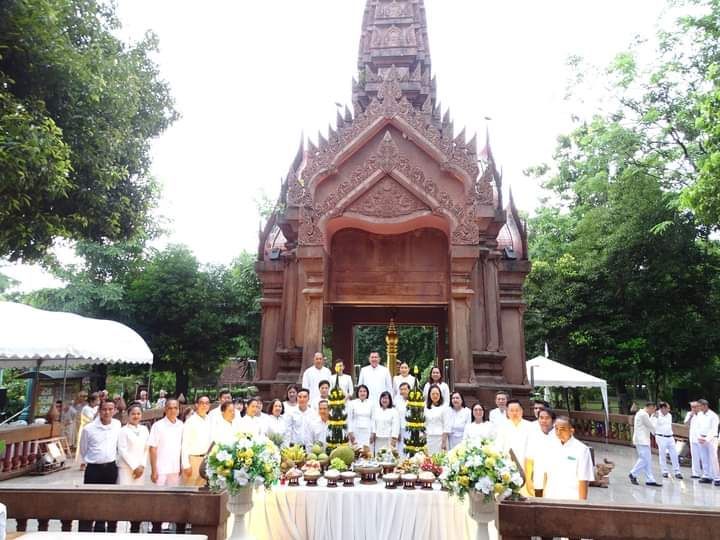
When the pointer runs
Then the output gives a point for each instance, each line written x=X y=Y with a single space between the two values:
x=268 y=468
x=490 y=462
x=464 y=481
x=228 y=463
x=248 y=462
x=499 y=488
x=506 y=477
x=249 y=452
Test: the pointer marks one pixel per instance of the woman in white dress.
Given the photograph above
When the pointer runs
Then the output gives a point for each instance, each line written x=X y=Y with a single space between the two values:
x=459 y=418
x=290 y=404
x=479 y=428
x=360 y=417
x=437 y=380
x=385 y=424
x=404 y=377
x=133 y=449
x=276 y=425
x=437 y=421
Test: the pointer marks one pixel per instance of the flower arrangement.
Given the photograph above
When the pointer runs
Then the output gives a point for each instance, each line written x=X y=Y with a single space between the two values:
x=475 y=466
x=415 y=418
x=250 y=460
x=337 y=425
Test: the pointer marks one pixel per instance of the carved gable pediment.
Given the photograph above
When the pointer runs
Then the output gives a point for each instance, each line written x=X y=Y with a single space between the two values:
x=387 y=199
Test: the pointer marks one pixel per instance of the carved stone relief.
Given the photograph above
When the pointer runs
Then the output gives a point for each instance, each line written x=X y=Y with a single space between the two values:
x=387 y=199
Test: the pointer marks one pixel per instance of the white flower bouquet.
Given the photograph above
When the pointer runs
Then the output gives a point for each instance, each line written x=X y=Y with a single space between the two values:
x=475 y=466
x=250 y=460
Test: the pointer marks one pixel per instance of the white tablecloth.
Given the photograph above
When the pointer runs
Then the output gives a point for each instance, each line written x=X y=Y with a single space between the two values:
x=358 y=513
x=3 y=521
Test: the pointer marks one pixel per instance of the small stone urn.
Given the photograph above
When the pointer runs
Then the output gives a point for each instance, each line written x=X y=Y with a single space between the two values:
x=482 y=513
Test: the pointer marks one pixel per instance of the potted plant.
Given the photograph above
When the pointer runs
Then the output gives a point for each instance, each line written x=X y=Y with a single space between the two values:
x=251 y=460
x=477 y=469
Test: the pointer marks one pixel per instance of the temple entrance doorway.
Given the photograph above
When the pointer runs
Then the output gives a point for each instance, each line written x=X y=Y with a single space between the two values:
x=358 y=330
x=417 y=344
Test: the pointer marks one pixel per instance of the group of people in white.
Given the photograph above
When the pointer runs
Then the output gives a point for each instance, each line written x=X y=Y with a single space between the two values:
x=703 y=424
x=556 y=464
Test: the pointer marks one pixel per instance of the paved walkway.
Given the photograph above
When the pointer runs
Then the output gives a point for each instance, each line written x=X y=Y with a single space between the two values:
x=674 y=492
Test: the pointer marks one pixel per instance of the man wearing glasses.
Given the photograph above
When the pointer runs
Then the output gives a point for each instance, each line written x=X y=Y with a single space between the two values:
x=196 y=441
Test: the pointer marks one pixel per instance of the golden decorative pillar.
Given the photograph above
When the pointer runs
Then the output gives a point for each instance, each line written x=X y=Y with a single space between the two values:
x=391 y=340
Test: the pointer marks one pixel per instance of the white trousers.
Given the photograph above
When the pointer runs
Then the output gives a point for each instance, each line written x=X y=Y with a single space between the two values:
x=666 y=445
x=695 y=451
x=643 y=463
x=709 y=459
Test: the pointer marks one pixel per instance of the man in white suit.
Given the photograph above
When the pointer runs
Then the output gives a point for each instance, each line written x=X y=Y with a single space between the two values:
x=643 y=428
x=708 y=422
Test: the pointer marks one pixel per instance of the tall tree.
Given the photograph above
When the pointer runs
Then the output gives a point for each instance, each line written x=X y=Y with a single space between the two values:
x=78 y=109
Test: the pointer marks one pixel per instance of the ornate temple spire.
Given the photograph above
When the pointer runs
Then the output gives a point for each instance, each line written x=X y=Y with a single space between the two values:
x=394 y=33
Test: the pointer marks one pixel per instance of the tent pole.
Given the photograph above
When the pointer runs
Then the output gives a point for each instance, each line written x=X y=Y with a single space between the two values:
x=150 y=384
x=62 y=397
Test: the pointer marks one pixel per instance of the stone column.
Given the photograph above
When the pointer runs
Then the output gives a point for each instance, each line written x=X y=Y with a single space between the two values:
x=312 y=271
x=492 y=303
x=271 y=275
x=462 y=262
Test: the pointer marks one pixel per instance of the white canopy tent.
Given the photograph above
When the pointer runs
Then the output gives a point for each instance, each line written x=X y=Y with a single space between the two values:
x=31 y=337
x=542 y=371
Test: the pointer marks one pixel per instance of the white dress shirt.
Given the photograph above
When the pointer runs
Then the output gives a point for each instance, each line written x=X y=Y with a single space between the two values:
x=483 y=430
x=346 y=384
x=401 y=406
x=437 y=420
x=498 y=417
x=399 y=379
x=315 y=431
x=360 y=415
x=515 y=437
x=133 y=446
x=251 y=424
x=197 y=438
x=444 y=392
x=276 y=425
x=377 y=379
x=166 y=436
x=692 y=420
x=571 y=463
x=642 y=428
x=224 y=432
x=540 y=451
x=458 y=420
x=98 y=443
x=386 y=423
x=312 y=377
x=296 y=424
x=663 y=424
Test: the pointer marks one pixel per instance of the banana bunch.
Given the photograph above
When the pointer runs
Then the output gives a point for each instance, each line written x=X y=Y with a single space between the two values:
x=294 y=453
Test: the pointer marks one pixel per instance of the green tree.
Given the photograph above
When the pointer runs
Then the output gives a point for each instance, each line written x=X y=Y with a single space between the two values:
x=78 y=109
x=187 y=314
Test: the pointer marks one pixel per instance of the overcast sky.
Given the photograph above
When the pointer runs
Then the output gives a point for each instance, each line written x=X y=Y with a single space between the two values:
x=250 y=77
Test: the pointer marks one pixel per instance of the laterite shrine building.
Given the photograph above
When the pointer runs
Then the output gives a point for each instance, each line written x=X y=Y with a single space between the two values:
x=393 y=214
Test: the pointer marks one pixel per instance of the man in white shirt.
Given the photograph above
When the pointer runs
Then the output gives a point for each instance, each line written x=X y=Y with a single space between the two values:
x=643 y=428
x=324 y=388
x=98 y=450
x=662 y=420
x=316 y=428
x=376 y=378
x=346 y=383
x=225 y=430
x=216 y=414
x=314 y=374
x=570 y=468
x=196 y=441
x=165 y=444
x=300 y=417
x=539 y=451
x=498 y=416
x=515 y=433
x=708 y=439
x=691 y=421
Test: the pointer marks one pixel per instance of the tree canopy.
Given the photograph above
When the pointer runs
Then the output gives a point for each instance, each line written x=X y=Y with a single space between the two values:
x=625 y=271
x=78 y=109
